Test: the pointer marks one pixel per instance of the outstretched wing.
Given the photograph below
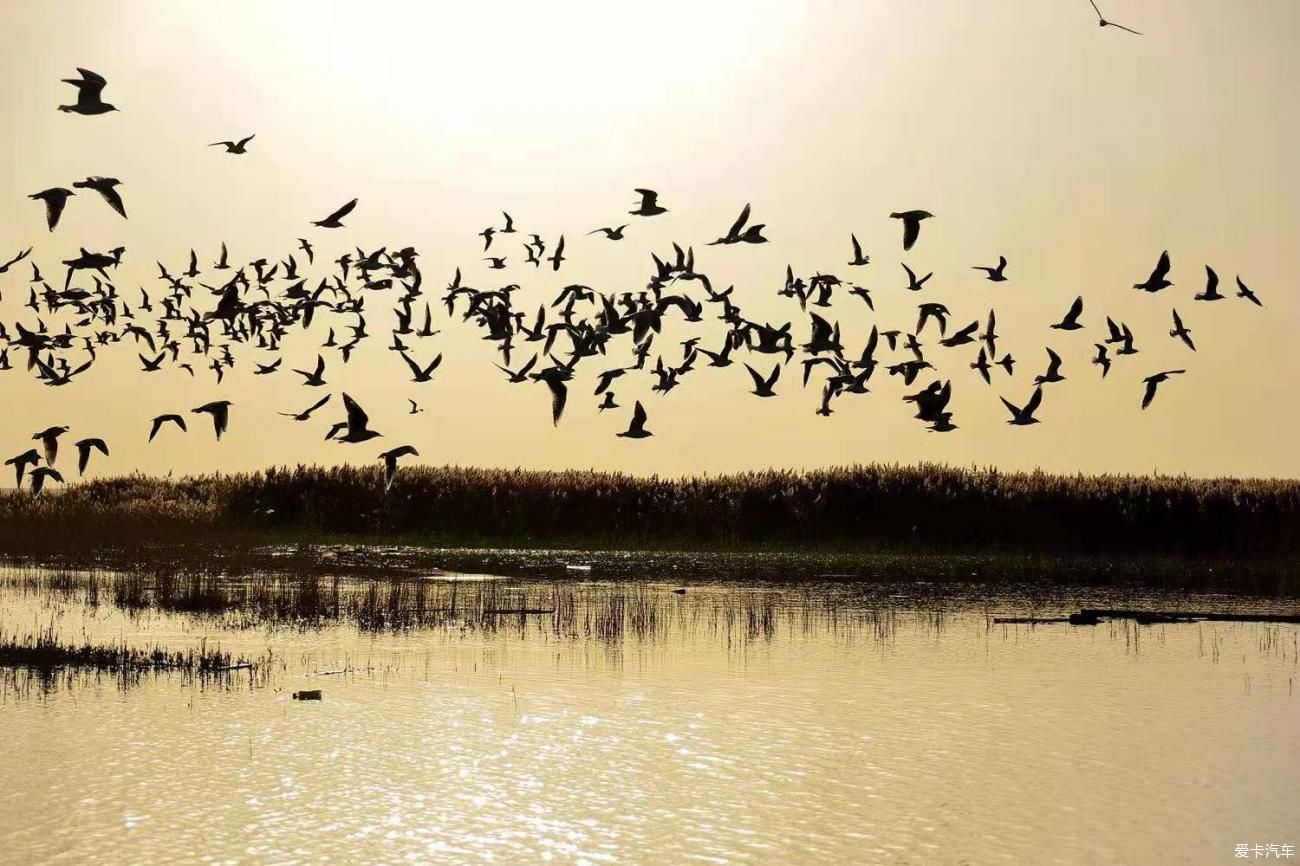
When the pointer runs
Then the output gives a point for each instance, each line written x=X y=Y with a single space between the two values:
x=357 y=417
x=739 y=225
x=341 y=212
x=559 y=394
x=1034 y=402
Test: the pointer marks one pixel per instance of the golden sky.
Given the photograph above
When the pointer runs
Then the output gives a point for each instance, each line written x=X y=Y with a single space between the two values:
x=1079 y=153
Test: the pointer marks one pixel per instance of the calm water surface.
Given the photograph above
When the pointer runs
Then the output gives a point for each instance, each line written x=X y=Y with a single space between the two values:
x=619 y=723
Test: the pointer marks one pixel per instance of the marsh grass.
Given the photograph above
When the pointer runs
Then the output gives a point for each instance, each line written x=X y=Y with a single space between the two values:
x=875 y=508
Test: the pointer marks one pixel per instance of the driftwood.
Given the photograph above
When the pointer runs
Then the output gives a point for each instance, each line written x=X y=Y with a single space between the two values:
x=307 y=695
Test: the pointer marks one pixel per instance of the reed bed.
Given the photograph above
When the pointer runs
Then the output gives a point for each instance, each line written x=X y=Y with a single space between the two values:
x=880 y=508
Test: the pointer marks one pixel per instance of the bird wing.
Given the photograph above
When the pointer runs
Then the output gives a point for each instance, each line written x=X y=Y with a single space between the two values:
x=319 y=403
x=638 y=417
x=1032 y=406
x=1162 y=267
x=415 y=368
x=341 y=212
x=771 y=380
x=244 y=141
x=911 y=231
x=1054 y=361
x=1152 y=383
x=758 y=379
x=1011 y=407
x=559 y=394
x=114 y=200
x=54 y=209
x=1076 y=310
x=1211 y=280
x=738 y=226
x=357 y=417
x=911 y=275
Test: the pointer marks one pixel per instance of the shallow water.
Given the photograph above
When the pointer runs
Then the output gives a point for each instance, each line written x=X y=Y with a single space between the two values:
x=629 y=724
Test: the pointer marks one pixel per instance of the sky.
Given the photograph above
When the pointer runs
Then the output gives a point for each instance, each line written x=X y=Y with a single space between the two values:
x=1079 y=153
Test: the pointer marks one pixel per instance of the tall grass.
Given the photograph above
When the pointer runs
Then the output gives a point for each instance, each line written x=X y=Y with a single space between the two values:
x=921 y=508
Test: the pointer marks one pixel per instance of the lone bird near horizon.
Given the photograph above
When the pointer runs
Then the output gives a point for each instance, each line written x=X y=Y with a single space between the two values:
x=235 y=147
x=90 y=89
x=335 y=220
x=1153 y=381
x=911 y=224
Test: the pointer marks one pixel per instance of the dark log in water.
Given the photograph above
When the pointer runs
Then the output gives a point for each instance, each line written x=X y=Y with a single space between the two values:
x=307 y=695
x=1093 y=616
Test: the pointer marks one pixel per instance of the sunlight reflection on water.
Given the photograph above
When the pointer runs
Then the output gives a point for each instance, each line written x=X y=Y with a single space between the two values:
x=730 y=724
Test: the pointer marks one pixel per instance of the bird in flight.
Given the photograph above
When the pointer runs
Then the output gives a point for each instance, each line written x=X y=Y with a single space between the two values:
x=306 y=413
x=390 y=463
x=762 y=386
x=1102 y=360
x=739 y=234
x=316 y=378
x=56 y=199
x=649 y=204
x=1153 y=382
x=84 y=447
x=1157 y=280
x=1024 y=416
x=421 y=374
x=30 y=457
x=49 y=439
x=334 y=220
x=911 y=224
x=913 y=284
x=220 y=412
x=1053 y=373
x=1071 y=320
x=1102 y=22
x=858 y=258
x=613 y=234
x=235 y=147
x=4 y=268
x=1211 y=292
x=1243 y=291
x=1182 y=332
x=90 y=88
x=357 y=425
x=105 y=187
x=997 y=274
x=636 y=429
x=40 y=474
x=163 y=419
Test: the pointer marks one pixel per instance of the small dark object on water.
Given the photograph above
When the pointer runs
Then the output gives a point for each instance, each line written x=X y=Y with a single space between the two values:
x=681 y=591
x=1094 y=616
x=307 y=695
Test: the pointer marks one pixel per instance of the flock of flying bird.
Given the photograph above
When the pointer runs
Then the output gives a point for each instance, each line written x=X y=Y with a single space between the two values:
x=203 y=314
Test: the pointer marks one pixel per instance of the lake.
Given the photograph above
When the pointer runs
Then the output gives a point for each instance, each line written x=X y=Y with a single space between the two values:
x=577 y=719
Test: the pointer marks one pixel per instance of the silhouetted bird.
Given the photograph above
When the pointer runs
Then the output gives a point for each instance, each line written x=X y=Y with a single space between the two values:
x=649 y=204
x=220 y=412
x=55 y=198
x=1071 y=320
x=1211 y=292
x=4 y=268
x=1242 y=291
x=739 y=234
x=614 y=234
x=1102 y=22
x=1053 y=373
x=84 y=447
x=105 y=186
x=418 y=373
x=858 y=258
x=390 y=463
x=28 y=458
x=1022 y=417
x=636 y=429
x=762 y=386
x=356 y=428
x=1157 y=280
x=913 y=283
x=235 y=147
x=49 y=438
x=40 y=474
x=1152 y=382
x=911 y=224
x=316 y=378
x=1182 y=332
x=306 y=413
x=163 y=419
x=1101 y=359
x=90 y=89
x=996 y=275
x=334 y=220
